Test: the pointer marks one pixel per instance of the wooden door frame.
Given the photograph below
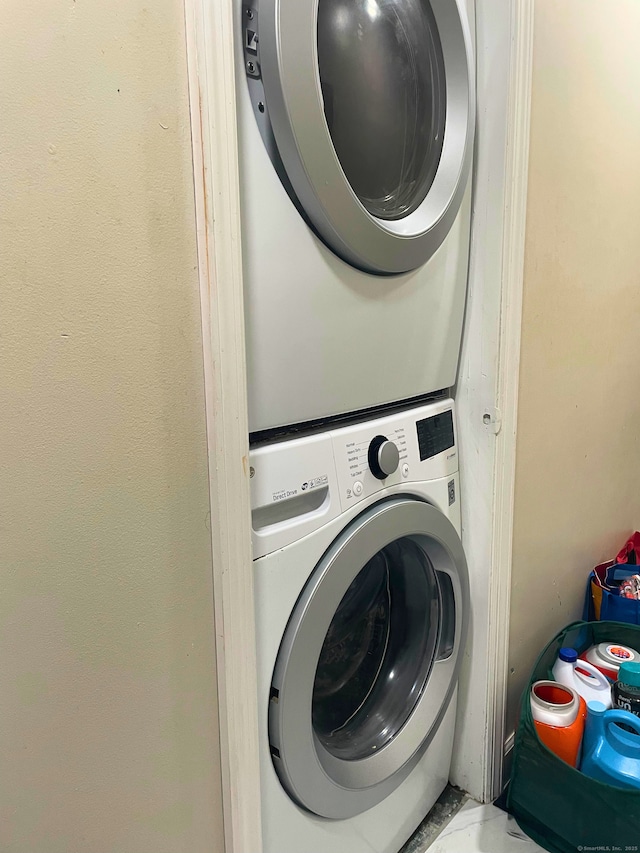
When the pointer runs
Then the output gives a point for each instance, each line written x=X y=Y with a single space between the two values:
x=211 y=69
x=487 y=388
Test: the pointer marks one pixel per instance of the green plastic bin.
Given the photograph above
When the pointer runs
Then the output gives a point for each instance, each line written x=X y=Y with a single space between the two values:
x=563 y=810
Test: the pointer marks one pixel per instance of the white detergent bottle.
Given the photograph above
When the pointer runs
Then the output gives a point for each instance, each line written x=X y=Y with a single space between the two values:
x=584 y=677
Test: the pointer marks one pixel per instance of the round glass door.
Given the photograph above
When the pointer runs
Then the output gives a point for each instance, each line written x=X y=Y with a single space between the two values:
x=377 y=653
x=369 y=658
x=383 y=84
x=367 y=108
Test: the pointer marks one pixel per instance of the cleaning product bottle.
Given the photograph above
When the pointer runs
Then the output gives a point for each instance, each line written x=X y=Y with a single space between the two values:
x=610 y=753
x=626 y=690
x=585 y=678
x=558 y=715
x=607 y=657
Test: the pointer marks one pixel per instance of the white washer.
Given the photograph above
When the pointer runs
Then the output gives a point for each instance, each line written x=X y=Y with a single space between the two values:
x=362 y=607
x=355 y=201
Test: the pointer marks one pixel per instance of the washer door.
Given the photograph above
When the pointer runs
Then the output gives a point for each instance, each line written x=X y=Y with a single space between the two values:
x=369 y=659
x=368 y=105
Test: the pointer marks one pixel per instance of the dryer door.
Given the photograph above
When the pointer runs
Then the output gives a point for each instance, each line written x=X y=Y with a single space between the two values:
x=369 y=660
x=368 y=109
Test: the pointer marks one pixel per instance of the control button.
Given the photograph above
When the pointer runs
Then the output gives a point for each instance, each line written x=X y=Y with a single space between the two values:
x=357 y=488
x=383 y=456
x=405 y=470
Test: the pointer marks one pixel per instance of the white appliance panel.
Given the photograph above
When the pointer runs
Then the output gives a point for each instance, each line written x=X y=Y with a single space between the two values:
x=323 y=337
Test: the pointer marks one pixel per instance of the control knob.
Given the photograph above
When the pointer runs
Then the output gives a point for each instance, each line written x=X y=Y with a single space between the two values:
x=384 y=457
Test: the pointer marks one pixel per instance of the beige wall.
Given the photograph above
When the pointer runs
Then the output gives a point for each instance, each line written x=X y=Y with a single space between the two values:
x=107 y=694
x=578 y=453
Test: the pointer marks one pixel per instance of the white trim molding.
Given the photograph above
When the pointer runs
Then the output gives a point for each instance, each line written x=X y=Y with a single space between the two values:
x=210 y=59
x=516 y=184
x=487 y=389
x=507 y=758
x=487 y=393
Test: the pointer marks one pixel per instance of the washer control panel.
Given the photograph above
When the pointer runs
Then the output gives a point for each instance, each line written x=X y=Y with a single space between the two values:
x=300 y=484
x=409 y=446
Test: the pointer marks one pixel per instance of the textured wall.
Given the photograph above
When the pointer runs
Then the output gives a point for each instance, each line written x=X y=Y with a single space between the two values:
x=108 y=737
x=578 y=454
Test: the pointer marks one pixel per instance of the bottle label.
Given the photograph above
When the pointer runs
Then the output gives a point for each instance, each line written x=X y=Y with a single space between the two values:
x=619 y=653
x=626 y=699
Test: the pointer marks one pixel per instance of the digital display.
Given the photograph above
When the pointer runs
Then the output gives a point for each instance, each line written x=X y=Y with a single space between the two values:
x=435 y=434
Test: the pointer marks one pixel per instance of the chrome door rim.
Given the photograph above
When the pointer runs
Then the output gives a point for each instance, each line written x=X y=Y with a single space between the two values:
x=319 y=781
x=289 y=67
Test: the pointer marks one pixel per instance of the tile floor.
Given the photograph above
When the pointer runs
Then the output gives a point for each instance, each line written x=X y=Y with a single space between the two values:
x=477 y=828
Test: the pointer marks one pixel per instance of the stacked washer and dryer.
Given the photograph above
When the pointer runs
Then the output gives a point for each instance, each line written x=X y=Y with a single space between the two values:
x=356 y=124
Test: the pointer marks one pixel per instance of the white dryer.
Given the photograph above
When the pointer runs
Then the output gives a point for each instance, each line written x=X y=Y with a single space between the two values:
x=362 y=607
x=356 y=124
